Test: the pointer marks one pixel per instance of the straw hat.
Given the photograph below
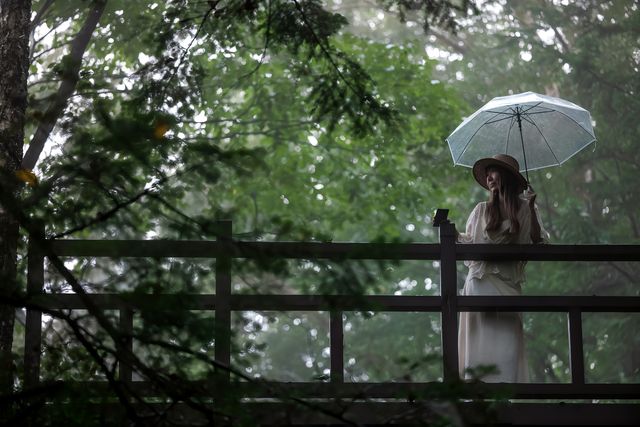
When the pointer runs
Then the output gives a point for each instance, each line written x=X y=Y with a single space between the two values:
x=504 y=161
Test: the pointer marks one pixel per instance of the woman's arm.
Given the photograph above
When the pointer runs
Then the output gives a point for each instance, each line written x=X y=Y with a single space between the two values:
x=536 y=234
x=472 y=222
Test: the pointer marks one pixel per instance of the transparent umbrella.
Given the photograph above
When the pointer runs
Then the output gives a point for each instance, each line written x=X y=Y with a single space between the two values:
x=538 y=130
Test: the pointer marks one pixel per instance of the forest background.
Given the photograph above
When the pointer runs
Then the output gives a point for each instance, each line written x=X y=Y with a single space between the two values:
x=315 y=121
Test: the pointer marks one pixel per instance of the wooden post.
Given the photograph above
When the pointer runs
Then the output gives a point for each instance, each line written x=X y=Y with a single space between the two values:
x=126 y=344
x=449 y=293
x=223 y=307
x=33 y=327
x=337 y=347
x=575 y=346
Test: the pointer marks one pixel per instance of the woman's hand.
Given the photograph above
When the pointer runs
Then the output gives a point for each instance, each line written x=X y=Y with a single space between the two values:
x=530 y=196
x=536 y=231
x=532 y=202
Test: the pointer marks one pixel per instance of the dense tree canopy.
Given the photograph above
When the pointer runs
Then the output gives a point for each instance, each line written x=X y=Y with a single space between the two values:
x=309 y=120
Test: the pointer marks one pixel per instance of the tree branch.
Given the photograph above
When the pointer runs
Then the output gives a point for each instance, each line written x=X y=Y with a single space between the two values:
x=212 y=9
x=34 y=23
x=67 y=87
x=630 y=277
x=122 y=390
x=40 y=14
x=327 y=53
x=34 y=57
x=266 y=42
x=448 y=39
x=103 y=216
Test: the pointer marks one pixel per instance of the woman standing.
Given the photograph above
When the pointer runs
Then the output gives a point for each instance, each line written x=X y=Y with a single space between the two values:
x=496 y=339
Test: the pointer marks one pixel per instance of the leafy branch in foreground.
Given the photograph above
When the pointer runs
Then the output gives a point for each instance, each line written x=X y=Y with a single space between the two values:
x=176 y=389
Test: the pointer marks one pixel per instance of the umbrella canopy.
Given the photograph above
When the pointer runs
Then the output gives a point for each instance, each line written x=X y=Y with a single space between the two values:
x=537 y=130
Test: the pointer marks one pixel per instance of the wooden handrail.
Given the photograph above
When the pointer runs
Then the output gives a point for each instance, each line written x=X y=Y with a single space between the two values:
x=448 y=303
x=547 y=304
x=337 y=250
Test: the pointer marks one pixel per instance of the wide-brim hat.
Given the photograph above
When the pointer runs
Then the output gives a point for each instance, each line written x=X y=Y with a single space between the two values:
x=504 y=161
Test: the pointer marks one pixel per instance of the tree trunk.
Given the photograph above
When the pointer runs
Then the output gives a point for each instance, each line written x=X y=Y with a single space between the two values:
x=14 y=67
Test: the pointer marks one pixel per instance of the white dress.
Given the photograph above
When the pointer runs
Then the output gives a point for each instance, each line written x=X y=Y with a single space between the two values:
x=494 y=339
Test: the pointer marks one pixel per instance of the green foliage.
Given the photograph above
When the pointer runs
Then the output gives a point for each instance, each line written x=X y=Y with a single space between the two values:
x=397 y=347
x=276 y=115
x=302 y=356
x=437 y=13
x=611 y=350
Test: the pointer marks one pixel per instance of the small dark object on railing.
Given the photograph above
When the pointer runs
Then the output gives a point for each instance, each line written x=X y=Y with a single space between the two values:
x=440 y=217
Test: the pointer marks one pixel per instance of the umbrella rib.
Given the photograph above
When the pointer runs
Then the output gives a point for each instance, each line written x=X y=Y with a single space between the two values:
x=523 y=111
x=549 y=110
x=513 y=121
x=530 y=108
x=542 y=112
x=579 y=150
x=499 y=112
x=472 y=136
x=497 y=120
x=576 y=122
x=528 y=119
x=543 y=137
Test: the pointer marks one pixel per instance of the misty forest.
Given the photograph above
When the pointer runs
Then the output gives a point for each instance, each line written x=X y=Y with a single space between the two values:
x=298 y=121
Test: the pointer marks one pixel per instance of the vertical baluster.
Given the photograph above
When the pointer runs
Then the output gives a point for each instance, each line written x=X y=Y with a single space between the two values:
x=33 y=327
x=337 y=347
x=223 y=307
x=449 y=291
x=575 y=346
x=125 y=346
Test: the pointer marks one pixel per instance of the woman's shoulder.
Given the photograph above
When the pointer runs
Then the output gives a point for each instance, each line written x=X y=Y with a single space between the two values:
x=478 y=210
x=481 y=206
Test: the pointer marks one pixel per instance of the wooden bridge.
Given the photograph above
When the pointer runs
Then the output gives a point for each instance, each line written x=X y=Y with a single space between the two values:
x=337 y=401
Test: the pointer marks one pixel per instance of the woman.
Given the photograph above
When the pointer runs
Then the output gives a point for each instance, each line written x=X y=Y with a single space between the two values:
x=496 y=339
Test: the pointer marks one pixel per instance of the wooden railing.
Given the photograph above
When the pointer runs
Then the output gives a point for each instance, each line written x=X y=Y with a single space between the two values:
x=449 y=304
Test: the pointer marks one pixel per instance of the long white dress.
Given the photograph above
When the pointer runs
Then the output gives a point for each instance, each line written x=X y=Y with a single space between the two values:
x=494 y=339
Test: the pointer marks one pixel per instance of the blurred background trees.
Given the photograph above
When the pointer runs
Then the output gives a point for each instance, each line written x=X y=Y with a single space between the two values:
x=311 y=120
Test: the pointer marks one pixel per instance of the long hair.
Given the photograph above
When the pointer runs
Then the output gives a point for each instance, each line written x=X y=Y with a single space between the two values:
x=508 y=195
